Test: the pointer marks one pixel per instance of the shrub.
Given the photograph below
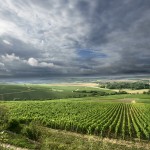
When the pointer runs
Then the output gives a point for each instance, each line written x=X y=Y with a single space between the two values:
x=32 y=132
x=14 y=126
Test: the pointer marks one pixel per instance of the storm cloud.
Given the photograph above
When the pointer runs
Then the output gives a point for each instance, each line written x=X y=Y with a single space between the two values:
x=82 y=37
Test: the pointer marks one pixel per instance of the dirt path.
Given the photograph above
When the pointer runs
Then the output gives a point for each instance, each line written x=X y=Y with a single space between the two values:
x=11 y=147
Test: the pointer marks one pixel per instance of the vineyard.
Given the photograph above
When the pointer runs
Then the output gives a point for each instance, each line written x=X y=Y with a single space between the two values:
x=105 y=119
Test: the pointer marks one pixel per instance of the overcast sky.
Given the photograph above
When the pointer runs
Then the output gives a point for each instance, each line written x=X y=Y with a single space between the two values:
x=74 y=37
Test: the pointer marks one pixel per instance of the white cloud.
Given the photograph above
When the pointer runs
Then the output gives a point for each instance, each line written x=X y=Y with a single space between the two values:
x=1 y=65
x=44 y=64
x=48 y=34
x=10 y=58
x=3 y=69
x=34 y=62
x=7 y=42
x=47 y=30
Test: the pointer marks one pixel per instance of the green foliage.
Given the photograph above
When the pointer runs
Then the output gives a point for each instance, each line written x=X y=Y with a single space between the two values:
x=60 y=140
x=3 y=137
x=106 y=119
x=94 y=93
x=3 y=117
x=125 y=85
x=148 y=92
x=46 y=92
x=32 y=131
x=14 y=126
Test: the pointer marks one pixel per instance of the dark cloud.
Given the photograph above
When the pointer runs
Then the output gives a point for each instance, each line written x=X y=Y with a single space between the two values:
x=50 y=37
x=21 y=49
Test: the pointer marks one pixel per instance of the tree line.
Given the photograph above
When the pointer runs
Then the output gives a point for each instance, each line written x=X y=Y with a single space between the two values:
x=125 y=85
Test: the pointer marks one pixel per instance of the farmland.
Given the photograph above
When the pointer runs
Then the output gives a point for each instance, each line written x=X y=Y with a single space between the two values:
x=47 y=92
x=123 y=117
x=105 y=119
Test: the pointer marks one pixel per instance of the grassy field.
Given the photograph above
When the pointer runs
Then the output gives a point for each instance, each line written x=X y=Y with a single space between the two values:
x=45 y=91
x=88 y=122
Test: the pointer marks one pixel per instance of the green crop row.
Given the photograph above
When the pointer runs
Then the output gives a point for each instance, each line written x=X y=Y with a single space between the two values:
x=113 y=120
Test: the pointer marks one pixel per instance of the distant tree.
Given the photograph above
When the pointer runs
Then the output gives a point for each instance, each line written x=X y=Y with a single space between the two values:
x=148 y=92
x=127 y=85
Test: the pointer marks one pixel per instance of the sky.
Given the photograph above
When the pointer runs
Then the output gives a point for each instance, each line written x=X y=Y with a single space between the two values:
x=74 y=37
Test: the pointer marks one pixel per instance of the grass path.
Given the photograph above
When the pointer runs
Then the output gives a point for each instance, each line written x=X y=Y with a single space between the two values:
x=130 y=144
x=62 y=137
x=12 y=147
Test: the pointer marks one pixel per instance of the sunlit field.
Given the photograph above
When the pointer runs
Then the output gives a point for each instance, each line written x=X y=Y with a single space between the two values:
x=76 y=111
